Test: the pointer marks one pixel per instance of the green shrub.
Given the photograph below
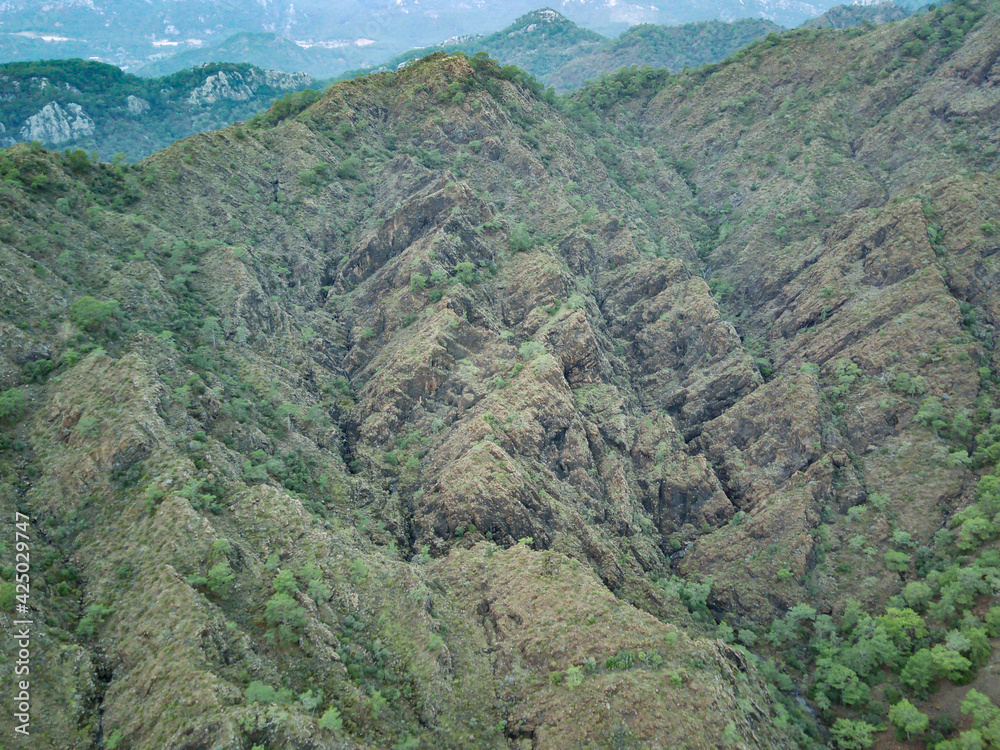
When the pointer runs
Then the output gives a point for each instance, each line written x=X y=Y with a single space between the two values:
x=220 y=578
x=349 y=169
x=852 y=735
x=285 y=618
x=331 y=720
x=520 y=240
x=8 y=593
x=91 y=314
x=95 y=617
x=466 y=273
x=13 y=404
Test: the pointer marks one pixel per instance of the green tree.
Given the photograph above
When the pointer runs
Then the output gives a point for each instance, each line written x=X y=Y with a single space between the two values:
x=285 y=618
x=13 y=404
x=91 y=314
x=897 y=561
x=285 y=583
x=919 y=673
x=520 y=239
x=908 y=719
x=465 y=272
x=331 y=720
x=348 y=170
x=852 y=735
x=258 y=692
x=950 y=664
x=220 y=578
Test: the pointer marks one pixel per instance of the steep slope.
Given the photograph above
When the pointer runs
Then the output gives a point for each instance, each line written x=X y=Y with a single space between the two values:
x=246 y=472
x=799 y=182
x=432 y=415
x=96 y=107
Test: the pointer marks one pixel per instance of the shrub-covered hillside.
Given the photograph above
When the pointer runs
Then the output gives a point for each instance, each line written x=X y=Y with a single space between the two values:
x=441 y=412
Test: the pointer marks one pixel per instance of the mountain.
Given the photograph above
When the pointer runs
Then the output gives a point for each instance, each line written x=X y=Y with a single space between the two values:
x=443 y=412
x=131 y=33
x=846 y=16
x=562 y=55
x=264 y=49
x=671 y=47
x=76 y=104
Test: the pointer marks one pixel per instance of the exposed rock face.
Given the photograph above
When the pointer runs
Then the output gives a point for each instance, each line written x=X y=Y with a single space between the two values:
x=56 y=124
x=136 y=105
x=240 y=87
x=5 y=140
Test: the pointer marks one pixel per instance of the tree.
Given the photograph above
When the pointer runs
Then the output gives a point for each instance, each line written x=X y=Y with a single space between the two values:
x=330 y=720
x=220 y=578
x=520 y=239
x=919 y=673
x=348 y=170
x=838 y=682
x=465 y=272
x=949 y=663
x=852 y=735
x=285 y=583
x=902 y=625
x=258 y=692
x=917 y=594
x=91 y=314
x=897 y=561
x=285 y=617
x=907 y=718
x=12 y=405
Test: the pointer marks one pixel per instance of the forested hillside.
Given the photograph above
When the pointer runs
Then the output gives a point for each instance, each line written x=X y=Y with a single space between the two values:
x=86 y=105
x=441 y=412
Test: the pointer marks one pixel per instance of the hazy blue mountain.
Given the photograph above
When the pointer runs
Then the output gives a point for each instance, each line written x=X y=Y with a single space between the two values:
x=847 y=16
x=265 y=49
x=131 y=33
x=564 y=55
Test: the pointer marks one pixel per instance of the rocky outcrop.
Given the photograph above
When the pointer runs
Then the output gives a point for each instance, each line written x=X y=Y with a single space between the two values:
x=5 y=140
x=136 y=105
x=56 y=124
x=241 y=86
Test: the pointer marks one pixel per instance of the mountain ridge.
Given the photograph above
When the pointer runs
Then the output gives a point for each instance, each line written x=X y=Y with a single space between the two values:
x=439 y=408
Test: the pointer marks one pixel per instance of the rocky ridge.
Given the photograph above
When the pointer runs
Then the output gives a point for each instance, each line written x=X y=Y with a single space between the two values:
x=415 y=419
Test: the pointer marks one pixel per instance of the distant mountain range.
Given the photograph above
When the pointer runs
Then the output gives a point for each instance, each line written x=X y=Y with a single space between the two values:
x=847 y=16
x=563 y=55
x=332 y=37
x=97 y=107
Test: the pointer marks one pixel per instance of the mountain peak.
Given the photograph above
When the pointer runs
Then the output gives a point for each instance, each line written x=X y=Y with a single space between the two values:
x=546 y=15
